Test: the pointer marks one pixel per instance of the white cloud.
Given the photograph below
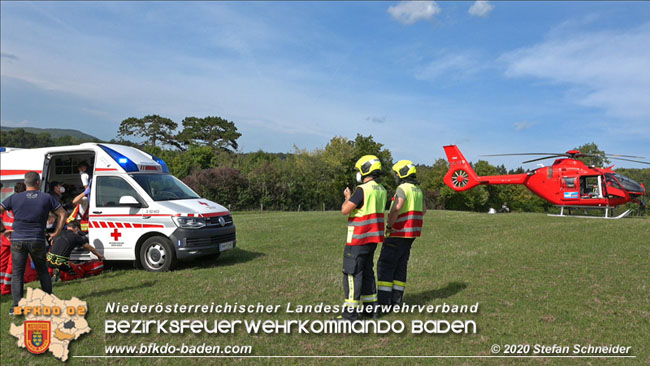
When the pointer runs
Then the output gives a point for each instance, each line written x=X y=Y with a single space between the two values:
x=376 y=119
x=453 y=64
x=409 y=12
x=523 y=125
x=480 y=8
x=608 y=70
x=23 y=123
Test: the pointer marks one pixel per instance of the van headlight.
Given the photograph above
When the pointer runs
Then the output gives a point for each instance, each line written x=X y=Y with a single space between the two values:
x=189 y=222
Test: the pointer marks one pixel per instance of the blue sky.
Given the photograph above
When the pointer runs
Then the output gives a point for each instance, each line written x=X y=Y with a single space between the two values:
x=492 y=77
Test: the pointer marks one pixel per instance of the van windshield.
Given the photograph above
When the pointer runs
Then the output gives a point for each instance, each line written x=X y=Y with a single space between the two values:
x=164 y=187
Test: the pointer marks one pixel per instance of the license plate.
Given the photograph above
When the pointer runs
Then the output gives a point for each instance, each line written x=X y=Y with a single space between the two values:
x=226 y=246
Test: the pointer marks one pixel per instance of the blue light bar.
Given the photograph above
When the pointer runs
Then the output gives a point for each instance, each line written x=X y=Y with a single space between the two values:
x=124 y=162
x=161 y=162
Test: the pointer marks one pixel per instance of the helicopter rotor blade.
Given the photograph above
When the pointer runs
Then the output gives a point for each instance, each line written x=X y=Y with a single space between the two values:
x=544 y=158
x=563 y=154
x=624 y=156
x=635 y=161
x=589 y=155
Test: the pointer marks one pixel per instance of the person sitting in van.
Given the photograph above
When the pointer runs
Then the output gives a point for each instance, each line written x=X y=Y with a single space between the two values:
x=83 y=172
x=57 y=190
x=62 y=246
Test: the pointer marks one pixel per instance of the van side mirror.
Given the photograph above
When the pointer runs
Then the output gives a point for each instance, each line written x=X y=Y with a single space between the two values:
x=129 y=201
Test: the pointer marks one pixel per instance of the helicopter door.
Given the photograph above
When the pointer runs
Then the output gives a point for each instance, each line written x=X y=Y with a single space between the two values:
x=591 y=187
x=569 y=188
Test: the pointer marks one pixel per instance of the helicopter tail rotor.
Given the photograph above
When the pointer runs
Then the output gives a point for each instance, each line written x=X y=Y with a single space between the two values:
x=461 y=176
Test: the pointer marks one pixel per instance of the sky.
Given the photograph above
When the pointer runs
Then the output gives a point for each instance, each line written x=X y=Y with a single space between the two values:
x=492 y=77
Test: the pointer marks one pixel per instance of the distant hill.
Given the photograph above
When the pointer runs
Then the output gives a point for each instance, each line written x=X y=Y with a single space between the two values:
x=55 y=132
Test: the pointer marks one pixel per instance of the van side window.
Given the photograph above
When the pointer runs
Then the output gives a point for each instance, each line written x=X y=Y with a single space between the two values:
x=110 y=189
x=8 y=188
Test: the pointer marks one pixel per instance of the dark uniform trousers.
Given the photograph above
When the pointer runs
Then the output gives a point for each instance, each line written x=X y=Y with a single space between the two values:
x=391 y=270
x=359 y=278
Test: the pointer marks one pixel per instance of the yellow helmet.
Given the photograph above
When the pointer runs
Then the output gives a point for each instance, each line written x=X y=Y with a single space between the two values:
x=404 y=168
x=368 y=164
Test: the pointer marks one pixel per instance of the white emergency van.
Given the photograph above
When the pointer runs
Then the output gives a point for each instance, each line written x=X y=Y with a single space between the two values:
x=136 y=210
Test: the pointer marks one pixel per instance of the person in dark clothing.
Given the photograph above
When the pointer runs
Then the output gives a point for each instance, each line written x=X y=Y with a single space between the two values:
x=63 y=245
x=30 y=210
x=57 y=190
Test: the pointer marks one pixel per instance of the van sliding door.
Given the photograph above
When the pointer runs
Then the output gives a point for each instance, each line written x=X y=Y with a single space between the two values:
x=114 y=229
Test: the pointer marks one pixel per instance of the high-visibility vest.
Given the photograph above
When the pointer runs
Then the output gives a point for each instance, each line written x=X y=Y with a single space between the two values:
x=81 y=214
x=366 y=224
x=409 y=220
x=8 y=219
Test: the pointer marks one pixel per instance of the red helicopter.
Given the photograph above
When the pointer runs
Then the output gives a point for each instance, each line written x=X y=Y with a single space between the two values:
x=568 y=183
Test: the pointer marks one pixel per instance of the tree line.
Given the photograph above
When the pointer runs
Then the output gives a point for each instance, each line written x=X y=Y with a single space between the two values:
x=204 y=155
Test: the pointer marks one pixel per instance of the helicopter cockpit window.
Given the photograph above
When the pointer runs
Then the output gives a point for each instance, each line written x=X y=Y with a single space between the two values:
x=570 y=182
x=629 y=184
x=611 y=181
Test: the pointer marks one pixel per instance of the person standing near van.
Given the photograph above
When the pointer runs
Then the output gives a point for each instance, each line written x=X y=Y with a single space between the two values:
x=30 y=209
x=5 y=248
x=404 y=224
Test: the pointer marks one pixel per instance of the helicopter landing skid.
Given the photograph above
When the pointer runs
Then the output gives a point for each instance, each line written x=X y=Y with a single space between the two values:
x=624 y=214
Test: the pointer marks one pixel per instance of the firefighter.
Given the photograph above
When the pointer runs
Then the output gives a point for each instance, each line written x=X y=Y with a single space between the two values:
x=404 y=224
x=365 y=230
x=62 y=246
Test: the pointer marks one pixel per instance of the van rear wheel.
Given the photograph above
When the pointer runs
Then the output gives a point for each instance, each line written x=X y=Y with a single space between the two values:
x=157 y=254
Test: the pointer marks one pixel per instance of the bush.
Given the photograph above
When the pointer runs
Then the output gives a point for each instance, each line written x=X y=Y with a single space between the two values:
x=226 y=186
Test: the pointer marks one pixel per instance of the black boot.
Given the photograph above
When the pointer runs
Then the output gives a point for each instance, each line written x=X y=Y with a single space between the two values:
x=397 y=297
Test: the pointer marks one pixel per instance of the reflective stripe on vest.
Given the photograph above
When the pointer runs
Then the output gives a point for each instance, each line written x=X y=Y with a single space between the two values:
x=409 y=220
x=366 y=225
x=7 y=219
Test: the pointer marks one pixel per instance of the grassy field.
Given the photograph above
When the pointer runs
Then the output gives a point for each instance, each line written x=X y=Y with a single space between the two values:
x=538 y=280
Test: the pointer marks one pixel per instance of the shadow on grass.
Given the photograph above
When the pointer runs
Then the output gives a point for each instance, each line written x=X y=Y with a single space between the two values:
x=424 y=297
x=229 y=258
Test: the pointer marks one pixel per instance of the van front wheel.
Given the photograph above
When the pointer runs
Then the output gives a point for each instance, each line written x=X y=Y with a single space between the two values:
x=157 y=254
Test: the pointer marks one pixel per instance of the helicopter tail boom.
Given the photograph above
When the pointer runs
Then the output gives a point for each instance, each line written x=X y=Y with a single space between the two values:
x=461 y=176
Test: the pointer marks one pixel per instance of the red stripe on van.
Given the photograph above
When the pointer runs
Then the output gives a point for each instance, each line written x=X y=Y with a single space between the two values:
x=146 y=226
x=105 y=169
x=111 y=225
x=119 y=225
x=17 y=172
x=103 y=224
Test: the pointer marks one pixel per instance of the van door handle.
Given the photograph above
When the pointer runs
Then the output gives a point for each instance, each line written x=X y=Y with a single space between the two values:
x=146 y=217
x=97 y=212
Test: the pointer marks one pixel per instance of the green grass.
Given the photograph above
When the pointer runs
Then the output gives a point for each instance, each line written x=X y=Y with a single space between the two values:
x=538 y=279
